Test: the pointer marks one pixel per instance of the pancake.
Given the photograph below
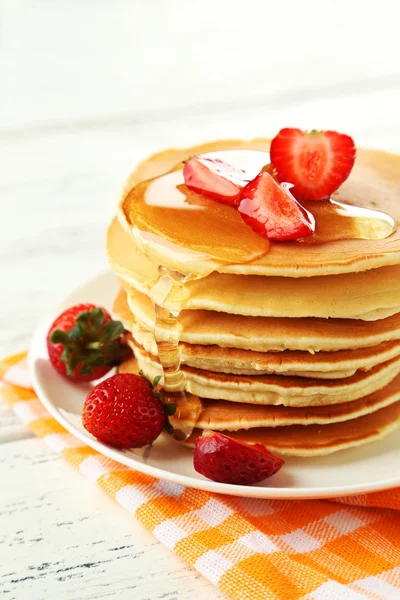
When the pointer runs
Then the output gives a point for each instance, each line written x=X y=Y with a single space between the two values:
x=219 y=416
x=318 y=440
x=319 y=430
x=273 y=389
x=293 y=345
x=324 y=365
x=366 y=295
x=247 y=362
x=373 y=183
x=262 y=333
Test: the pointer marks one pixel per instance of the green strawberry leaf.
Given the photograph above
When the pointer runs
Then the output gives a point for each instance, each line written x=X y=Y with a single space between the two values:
x=96 y=317
x=75 y=333
x=71 y=364
x=111 y=331
x=90 y=343
x=99 y=361
x=65 y=354
x=91 y=319
x=83 y=316
x=170 y=409
x=145 y=377
x=59 y=337
x=168 y=427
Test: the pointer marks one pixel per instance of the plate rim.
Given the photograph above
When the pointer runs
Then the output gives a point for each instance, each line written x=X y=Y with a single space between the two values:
x=273 y=493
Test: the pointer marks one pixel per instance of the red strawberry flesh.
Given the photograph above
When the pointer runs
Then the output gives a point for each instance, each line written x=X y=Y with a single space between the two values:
x=214 y=179
x=123 y=411
x=226 y=460
x=316 y=162
x=272 y=211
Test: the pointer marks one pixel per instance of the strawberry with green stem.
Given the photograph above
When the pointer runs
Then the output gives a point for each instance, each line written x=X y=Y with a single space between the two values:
x=84 y=343
x=126 y=411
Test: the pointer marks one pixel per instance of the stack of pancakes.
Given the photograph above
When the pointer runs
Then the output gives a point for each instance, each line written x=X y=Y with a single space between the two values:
x=298 y=349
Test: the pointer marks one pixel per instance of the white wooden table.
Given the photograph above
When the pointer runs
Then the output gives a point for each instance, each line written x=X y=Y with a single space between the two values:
x=87 y=89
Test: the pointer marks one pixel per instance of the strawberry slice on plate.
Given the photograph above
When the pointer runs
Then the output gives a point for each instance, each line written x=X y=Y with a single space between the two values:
x=224 y=459
x=272 y=212
x=315 y=162
x=214 y=178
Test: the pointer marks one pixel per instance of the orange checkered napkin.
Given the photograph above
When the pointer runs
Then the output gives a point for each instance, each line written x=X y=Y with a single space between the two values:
x=252 y=549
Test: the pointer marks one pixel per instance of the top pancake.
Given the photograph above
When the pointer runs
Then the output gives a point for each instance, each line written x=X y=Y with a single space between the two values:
x=374 y=183
x=369 y=295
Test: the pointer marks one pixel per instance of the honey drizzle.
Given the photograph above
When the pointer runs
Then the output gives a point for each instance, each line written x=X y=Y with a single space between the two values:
x=334 y=221
x=167 y=336
x=338 y=221
x=202 y=234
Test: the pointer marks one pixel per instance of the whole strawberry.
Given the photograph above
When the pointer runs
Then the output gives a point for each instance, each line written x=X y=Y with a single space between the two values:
x=223 y=459
x=84 y=343
x=124 y=411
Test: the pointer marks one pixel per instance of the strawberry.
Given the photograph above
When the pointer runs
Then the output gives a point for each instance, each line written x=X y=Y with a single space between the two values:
x=84 y=343
x=214 y=178
x=124 y=411
x=223 y=459
x=315 y=162
x=272 y=211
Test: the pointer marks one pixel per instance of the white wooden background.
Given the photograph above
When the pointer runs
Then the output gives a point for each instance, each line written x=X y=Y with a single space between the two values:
x=86 y=89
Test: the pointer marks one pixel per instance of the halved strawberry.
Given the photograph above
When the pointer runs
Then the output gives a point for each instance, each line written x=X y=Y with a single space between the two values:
x=272 y=211
x=224 y=459
x=315 y=162
x=214 y=178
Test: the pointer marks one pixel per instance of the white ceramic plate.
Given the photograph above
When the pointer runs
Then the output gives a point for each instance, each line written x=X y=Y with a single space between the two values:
x=375 y=466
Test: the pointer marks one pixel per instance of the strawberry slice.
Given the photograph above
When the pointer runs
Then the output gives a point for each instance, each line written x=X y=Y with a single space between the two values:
x=214 y=178
x=315 y=162
x=272 y=211
x=221 y=458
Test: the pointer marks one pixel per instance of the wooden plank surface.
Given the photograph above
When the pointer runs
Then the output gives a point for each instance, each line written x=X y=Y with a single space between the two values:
x=61 y=537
